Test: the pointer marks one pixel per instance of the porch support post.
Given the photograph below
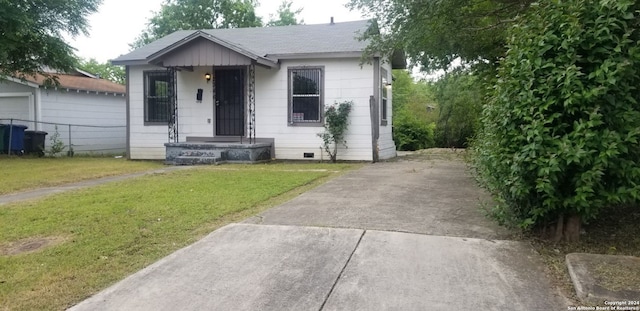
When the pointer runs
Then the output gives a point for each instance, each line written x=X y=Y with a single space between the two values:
x=173 y=105
x=252 y=103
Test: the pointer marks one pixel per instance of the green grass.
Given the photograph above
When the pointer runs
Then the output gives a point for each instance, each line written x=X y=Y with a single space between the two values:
x=20 y=174
x=113 y=230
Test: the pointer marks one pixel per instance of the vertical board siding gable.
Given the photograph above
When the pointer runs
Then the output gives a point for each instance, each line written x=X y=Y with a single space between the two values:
x=203 y=52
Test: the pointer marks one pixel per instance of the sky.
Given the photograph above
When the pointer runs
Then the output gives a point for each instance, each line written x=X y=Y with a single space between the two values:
x=118 y=22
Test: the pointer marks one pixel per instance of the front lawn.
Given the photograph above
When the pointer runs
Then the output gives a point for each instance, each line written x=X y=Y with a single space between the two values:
x=99 y=235
x=25 y=173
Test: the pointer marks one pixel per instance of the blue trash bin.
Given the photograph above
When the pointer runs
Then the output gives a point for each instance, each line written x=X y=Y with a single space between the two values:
x=14 y=138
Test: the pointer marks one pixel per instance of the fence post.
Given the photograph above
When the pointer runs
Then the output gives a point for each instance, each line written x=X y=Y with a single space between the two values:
x=10 y=136
x=70 y=151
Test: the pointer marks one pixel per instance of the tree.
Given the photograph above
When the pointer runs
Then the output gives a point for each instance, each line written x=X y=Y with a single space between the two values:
x=560 y=141
x=198 y=14
x=459 y=96
x=435 y=33
x=105 y=71
x=31 y=34
x=285 y=16
x=414 y=112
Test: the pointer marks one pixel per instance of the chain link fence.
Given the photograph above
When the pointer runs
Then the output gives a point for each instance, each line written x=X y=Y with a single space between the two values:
x=72 y=138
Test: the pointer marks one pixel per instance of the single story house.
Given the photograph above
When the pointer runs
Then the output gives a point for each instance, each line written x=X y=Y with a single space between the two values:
x=86 y=109
x=198 y=89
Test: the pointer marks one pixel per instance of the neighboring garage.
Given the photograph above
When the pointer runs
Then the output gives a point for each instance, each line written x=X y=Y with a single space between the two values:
x=89 y=112
x=17 y=106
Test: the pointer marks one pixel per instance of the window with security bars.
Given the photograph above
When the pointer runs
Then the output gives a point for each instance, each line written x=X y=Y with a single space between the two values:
x=157 y=95
x=305 y=95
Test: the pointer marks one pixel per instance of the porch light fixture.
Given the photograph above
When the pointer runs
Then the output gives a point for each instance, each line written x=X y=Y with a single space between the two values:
x=207 y=76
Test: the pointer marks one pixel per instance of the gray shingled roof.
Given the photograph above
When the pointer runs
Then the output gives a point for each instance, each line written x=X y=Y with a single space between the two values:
x=272 y=41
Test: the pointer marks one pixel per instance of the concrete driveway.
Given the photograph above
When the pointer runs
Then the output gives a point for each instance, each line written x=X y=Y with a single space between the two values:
x=402 y=235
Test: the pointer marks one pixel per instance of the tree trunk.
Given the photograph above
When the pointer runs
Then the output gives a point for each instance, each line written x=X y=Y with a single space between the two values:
x=567 y=229
x=334 y=156
x=572 y=229
x=557 y=236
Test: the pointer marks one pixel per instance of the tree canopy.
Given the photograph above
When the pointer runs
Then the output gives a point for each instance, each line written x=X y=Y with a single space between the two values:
x=31 y=34
x=459 y=96
x=104 y=70
x=435 y=33
x=198 y=14
x=414 y=112
x=285 y=16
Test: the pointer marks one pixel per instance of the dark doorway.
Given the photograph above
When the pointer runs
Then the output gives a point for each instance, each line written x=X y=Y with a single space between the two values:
x=229 y=101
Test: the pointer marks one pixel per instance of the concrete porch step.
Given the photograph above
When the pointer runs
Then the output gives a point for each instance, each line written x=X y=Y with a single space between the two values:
x=196 y=160
x=193 y=153
x=214 y=153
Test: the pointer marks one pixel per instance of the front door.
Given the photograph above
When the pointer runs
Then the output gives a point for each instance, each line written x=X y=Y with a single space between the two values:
x=229 y=101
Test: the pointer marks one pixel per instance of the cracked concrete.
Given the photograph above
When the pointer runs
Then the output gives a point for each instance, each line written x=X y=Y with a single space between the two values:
x=435 y=197
x=404 y=235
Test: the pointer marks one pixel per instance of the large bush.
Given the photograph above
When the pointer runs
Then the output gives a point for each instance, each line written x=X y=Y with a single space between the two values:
x=412 y=133
x=560 y=137
x=414 y=112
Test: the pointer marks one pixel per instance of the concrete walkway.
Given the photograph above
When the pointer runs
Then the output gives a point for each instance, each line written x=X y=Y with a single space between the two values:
x=404 y=235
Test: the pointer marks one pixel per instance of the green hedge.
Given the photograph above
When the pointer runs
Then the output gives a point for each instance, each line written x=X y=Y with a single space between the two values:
x=561 y=134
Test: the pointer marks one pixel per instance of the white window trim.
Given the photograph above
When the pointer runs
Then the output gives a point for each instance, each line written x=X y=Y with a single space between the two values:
x=384 y=108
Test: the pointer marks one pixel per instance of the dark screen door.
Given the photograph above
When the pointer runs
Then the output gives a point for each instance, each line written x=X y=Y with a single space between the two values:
x=229 y=102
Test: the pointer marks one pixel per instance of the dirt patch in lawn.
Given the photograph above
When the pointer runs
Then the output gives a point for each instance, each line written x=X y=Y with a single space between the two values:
x=30 y=245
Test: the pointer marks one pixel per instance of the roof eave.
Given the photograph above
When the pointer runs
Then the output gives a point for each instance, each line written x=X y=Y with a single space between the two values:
x=131 y=62
x=88 y=91
x=173 y=46
x=23 y=82
x=61 y=86
x=268 y=63
x=348 y=54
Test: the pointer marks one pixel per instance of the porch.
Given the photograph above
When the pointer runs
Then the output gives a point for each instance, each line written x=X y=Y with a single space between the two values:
x=222 y=78
x=218 y=150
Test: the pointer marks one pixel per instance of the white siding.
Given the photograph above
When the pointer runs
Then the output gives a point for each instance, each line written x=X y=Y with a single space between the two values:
x=146 y=142
x=194 y=118
x=386 y=146
x=80 y=108
x=17 y=102
x=344 y=80
x=13 y=87
x=16 y=107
